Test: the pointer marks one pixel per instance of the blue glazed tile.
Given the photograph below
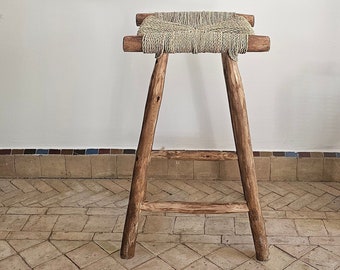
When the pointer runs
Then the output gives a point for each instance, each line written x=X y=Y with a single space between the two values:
x=91 y=151
x=42 y=152
x=291 y=154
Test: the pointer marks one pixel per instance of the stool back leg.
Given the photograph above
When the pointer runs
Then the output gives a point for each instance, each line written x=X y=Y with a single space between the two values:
x=239 y=118
x=143 y=155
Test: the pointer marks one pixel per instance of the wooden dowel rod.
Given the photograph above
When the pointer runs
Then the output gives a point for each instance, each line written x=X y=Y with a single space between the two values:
x=255 y=43
x=194 y=155
x=141 y=16
x=195 y=207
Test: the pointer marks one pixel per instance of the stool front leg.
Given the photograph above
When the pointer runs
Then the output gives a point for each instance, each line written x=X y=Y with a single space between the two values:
x=239 y=118
x=143 y=155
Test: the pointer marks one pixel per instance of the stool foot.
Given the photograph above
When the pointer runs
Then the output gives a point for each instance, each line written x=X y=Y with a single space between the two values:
x=143 y=154
x=239 y=118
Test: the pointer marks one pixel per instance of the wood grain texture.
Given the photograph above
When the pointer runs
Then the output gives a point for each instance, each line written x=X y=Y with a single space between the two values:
x=195 y=207
x=194 y=155
x=239 y=119
x=141 y=16
x=255 y=43
x=143 y=156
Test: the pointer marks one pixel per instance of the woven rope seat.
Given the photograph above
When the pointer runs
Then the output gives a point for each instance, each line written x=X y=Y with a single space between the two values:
x=195 y=32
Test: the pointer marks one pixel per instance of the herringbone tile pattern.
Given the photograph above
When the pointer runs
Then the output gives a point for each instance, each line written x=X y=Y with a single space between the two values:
x=77 y=224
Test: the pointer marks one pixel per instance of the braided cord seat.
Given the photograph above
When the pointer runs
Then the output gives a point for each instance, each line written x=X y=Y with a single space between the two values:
x=195 y=32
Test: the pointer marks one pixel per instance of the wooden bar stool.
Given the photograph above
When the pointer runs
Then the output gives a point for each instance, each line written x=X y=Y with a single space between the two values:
x=244 y=152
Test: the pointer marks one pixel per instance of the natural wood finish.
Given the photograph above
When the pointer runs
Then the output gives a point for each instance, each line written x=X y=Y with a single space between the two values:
x=143 y=154
x=239 y=118
x=255 y=43
x=141 y=16
x=195 y=207
x=194 y=155
x=242 y=139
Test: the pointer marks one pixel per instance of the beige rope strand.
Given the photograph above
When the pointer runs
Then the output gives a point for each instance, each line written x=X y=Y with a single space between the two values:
x=195 y=32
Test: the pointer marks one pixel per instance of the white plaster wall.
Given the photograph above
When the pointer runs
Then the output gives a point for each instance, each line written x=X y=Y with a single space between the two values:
x=65 y=82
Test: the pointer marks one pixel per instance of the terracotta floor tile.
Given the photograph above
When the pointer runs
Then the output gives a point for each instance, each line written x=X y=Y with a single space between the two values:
x=242 y=226
x=86 y=254
x=189 y=225
x=159 y=224
x=5 y=250
x=40 y=253
x=203 y=249
x=29 y=235
x=20 y=245
x=143 y=256
x=219 y=225
x=70 y=223
x=65 y=246
x=109 y=246
x=281 y=227
x=248 y=250
x=154 y=264
x=54 y=232
x=157 y=248
x=299 y=265
x=333 y=227
x=179 y=256
x=40 y=223
x=59 y=263
x=251 y=265
x=322 y=259
x=203 y=263
x=100 y=224
x=278 y=259
x=14 y=262
x=227 y=258
x=310 y=227
x=296 y=251
x=107 y=263
x=10 y=223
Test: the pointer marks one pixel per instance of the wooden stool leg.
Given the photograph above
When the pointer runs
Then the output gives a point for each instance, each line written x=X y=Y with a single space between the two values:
x=239 y=118
x=143 y=154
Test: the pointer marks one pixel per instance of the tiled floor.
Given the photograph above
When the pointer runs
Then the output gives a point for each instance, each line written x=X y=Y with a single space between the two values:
x=77 y=224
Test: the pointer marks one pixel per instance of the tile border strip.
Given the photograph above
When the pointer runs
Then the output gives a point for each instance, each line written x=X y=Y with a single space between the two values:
x=109 y=151
x=85 y=164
